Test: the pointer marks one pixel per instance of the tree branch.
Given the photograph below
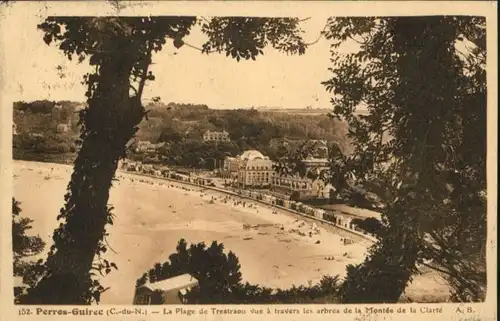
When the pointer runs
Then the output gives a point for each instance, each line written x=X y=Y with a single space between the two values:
x=321 y=34
x=144 y=75
x=133 y=88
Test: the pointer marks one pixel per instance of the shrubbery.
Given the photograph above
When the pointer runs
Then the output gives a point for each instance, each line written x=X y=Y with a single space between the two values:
x=220 y=279
x=370 y=225
x=50 y=144
x=23 y=247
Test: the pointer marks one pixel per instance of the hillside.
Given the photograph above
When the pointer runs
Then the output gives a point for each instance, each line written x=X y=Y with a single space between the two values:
x=191 y=121
x=181 y=126
x=45 y=133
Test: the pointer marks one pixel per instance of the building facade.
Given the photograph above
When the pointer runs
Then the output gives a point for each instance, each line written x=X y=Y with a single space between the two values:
x=316 y=165
x=255 y=170
x=62 y=128
x=56 y=112
x=298 y=187
x=215 y=136
x=290 y=183
x=145 y=146
x=230 y=167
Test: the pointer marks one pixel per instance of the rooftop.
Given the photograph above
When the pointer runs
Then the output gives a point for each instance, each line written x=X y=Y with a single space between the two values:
x=354 y=211
x=252 y=154
x=176 y=282
x=216 y=132
x=315 y=160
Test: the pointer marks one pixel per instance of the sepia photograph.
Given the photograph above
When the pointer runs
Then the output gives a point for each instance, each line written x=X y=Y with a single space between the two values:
x=229 y=160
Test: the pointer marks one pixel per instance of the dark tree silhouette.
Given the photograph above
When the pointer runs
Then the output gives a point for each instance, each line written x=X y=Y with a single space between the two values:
x=218 y=273
x=120 y=50
x=423 y=82
x=24 y=247
x=370 y=225
x=220 y=279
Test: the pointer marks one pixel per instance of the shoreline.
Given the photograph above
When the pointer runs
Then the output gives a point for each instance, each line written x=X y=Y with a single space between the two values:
x=151 y=216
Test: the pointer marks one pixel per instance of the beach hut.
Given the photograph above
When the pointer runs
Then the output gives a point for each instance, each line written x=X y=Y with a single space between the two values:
x=319 y=213
x=172 y=290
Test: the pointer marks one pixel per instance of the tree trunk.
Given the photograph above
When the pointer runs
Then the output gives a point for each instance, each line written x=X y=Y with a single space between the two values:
x=383 y=277
x=424 y=47
x=108 y=124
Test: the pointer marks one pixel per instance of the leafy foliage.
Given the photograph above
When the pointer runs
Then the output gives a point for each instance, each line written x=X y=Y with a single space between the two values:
x=120 y=49
x=35 y=107
x=23 y=247
x=248 y=129
x=246 y=37
x=198 y=154
x=424 y=91
x=370 y=225
x=182 y=126
x=47 y=144
x=220 y=279
x=341 y=173
x=218 y=274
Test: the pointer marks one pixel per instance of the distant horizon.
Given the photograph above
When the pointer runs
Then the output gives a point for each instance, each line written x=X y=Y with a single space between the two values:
x=258 y=108
x=187 y=103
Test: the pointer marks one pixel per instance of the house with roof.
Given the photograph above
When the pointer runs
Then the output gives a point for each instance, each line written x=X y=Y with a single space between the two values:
x=145 y=146
x=255 y=169
x=215 y=136
x=172 y=290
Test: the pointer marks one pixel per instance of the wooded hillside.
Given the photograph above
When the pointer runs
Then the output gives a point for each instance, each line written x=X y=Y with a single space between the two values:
x=181 y=126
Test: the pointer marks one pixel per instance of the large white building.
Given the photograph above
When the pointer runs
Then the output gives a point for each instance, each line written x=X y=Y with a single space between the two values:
x=255 y=170
x=214 y=136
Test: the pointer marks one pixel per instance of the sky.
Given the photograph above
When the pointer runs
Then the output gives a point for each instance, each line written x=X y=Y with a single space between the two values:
x=182 y=75
x=29 y=66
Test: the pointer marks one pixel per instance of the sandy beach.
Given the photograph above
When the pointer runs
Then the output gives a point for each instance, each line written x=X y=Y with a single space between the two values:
x=274 y=247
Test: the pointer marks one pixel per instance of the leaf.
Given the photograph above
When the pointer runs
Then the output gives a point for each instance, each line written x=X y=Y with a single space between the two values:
x=47 y=38
x=97 y=296
x=178 y=43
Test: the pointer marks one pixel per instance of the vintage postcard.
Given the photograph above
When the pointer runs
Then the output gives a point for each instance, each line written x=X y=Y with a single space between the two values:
x=248 y=159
